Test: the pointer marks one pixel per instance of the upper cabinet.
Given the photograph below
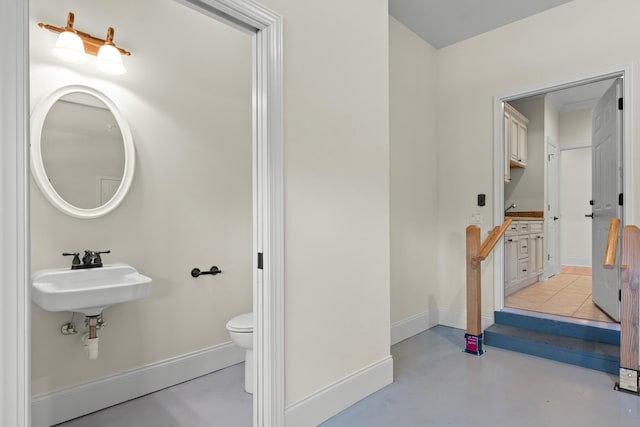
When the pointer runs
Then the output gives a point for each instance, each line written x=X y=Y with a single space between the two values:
x=515 y=133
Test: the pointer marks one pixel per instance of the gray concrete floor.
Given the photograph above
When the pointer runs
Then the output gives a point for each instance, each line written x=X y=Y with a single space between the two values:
x=213 y=400
x=435 y=384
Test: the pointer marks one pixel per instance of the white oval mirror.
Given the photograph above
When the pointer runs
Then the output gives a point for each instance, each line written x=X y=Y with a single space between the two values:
x=82 y=153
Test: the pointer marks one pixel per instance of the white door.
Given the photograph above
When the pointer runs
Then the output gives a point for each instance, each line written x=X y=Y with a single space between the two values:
x=552 y=217
x=606 y=190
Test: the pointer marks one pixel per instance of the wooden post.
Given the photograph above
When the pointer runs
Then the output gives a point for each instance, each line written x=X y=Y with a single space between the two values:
x=476 y=253
x=474 y=301
x=629 y=309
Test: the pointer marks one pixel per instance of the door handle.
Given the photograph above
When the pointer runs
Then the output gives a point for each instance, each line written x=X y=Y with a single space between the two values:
x=555 y=218
x=589 y=215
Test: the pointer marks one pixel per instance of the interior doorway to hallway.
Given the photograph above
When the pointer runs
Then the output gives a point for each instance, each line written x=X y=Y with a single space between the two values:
x=561 y=118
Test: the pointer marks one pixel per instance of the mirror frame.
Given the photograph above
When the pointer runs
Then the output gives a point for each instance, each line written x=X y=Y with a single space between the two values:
x=39 y=173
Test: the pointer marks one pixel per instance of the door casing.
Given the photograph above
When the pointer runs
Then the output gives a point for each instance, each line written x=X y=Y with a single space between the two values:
x=624 y=71
x=553 y=209
x=15 y=296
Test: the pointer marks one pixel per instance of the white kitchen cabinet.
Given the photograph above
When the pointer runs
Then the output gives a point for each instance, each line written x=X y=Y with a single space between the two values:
x=511 y=265
x=507 y=151
x=539 y=254
x=523 y=254
x=515 y=133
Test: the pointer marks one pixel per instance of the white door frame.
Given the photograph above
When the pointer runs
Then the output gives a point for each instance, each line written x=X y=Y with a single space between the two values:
x=15 y=296
x=548 y=271
x=626 y=72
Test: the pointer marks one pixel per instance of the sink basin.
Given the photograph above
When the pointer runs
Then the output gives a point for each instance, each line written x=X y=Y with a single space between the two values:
x=88 y=291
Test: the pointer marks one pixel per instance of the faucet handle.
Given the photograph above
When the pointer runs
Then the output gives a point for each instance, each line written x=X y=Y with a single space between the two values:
x=98 y=259
x=76 y=258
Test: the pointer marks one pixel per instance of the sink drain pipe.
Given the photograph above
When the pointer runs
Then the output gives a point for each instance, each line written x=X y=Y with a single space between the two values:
x=91 y=339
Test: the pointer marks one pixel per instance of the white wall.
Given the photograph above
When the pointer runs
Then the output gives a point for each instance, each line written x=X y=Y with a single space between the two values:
x=575 y=127
x=336 y=189
x=575 y=193
x=580 y=37
x=575 y=187
x=414 y=199
x=190 y=202
x=526 y=188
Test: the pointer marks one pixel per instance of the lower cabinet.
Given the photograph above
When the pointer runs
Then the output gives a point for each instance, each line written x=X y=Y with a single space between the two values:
x=511 y=264
x=523 y=255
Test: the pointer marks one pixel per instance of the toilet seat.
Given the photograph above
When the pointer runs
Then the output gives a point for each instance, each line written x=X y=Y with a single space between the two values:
x=241 y=323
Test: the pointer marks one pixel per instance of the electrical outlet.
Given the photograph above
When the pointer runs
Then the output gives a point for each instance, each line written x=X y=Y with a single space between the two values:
x=629 y=379
x=476 y=218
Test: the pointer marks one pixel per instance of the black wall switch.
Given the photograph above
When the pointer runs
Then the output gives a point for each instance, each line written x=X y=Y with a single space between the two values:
x=481 y=199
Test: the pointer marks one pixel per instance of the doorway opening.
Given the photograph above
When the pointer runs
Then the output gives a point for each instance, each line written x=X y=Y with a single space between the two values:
x=548 y=267
x=266 y=30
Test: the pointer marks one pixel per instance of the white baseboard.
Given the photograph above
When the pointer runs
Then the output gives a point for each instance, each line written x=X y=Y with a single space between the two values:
x=458 y=319
x=62 y=405
x=329 y=401
x=407 y=328
x=579 y=262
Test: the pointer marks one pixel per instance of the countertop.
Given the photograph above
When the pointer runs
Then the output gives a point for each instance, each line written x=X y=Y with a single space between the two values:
x=525 y=215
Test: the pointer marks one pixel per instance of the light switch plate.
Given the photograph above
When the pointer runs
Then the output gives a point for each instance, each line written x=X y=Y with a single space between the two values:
x=476 y=218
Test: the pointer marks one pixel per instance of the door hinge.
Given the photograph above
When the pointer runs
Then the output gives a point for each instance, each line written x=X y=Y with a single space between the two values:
x=620 y=199
x=620 y=103
x=548 y=257
x=619 y=294
x=260 y=260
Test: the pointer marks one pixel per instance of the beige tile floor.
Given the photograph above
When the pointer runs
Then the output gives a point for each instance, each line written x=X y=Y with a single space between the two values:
x=565 y=294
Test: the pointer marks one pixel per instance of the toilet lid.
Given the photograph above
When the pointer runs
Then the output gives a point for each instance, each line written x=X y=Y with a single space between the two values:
x=241 y=323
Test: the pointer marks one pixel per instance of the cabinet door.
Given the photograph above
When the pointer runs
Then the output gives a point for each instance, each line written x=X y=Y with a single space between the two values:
x=511 y=250
x=533 y=255
x=507 y=149
x=522 y=144
x=513 y=139
x=540 y=254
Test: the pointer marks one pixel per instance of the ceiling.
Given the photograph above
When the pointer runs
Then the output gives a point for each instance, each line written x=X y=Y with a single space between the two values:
x=579 y=97
x=445 y=22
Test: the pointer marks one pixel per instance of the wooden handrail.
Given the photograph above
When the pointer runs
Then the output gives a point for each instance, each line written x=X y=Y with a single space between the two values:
x=491 y=240
x=612 y=244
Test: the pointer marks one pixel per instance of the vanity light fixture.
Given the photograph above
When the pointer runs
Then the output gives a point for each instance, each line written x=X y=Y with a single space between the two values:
x=75 y=45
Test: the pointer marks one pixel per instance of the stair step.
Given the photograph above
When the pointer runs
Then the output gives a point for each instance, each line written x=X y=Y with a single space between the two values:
x=586 y=353
x=584 y=331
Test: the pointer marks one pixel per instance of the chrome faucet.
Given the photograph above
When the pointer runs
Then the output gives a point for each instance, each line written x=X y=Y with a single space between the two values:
x=513 y=205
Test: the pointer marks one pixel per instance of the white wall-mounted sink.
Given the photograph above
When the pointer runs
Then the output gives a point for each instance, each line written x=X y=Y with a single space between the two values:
x=88 y=291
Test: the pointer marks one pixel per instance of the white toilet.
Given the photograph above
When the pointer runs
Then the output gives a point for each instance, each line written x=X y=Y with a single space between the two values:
x=241 y=332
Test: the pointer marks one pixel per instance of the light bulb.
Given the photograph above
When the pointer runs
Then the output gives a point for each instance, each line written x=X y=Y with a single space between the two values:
x=110 y=60
x=70 y=47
